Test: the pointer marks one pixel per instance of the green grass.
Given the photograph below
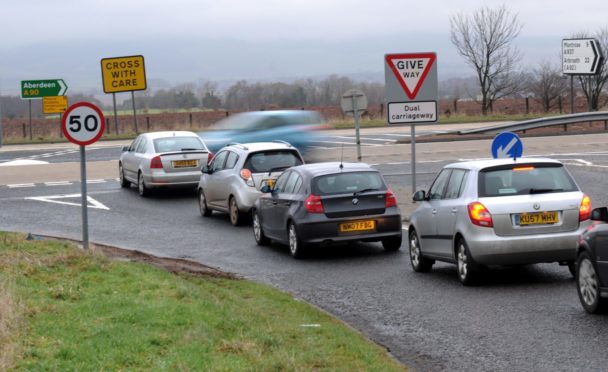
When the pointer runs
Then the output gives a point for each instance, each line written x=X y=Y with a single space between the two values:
x=81 y=311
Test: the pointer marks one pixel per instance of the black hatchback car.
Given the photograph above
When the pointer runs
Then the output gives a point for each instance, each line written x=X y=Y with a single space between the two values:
x=325 y=203
x=592 y=264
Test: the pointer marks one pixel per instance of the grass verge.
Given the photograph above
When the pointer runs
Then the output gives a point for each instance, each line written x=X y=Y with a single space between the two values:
x=85 y=311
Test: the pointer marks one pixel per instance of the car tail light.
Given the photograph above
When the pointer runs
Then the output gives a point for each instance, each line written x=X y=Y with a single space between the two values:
x=314 y=204
x=156 y=163
x=584 y=212
x=391 y=200
x=246 y=175
x=480 y=215
x=210 y=156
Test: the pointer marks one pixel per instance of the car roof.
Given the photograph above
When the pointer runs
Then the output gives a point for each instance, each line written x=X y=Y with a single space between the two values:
x=318 y=169
x=259 y=146
x=486 y=163
x=170 y=133
x=278 y=112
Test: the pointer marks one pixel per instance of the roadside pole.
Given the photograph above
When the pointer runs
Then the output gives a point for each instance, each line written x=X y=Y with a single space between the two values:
x=83 y=124
x=354 y=101
x=358 y=138
x=115 y=114
x=29 y=101
x=413 y=160
x=572 y=110
x=0 y=115
x=83 y=198
x=134 y=112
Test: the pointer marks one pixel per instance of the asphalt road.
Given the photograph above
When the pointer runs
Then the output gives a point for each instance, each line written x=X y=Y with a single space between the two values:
x=520 y=319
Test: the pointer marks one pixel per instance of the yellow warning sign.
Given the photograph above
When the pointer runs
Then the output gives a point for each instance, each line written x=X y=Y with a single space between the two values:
x=54 y=104
x=123 y=74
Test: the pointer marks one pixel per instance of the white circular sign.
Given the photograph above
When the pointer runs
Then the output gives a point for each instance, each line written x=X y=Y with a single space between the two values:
x=83 y=123
x=353 y=97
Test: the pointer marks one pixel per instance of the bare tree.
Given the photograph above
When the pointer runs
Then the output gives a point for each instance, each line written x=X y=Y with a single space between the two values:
x=594 y=84
x=547 y=84
x=484 y=40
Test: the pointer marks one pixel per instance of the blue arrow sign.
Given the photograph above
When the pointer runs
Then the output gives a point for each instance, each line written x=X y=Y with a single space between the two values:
x=507 y=145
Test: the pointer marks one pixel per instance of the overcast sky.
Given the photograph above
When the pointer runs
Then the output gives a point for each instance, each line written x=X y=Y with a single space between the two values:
x=189 y=40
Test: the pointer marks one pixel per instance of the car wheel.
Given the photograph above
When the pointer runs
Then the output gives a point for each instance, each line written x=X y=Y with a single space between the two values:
x=588 y=286
x=236 y=217
x=296 y=247
x=141 y=186
x=419 y=263
x=202 y=204
x=572 y=268
x=468 y=271
x=121 y=175
x=392 y=244
x=258 y=233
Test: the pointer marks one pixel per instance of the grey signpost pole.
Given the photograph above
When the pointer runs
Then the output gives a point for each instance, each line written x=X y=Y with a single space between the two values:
x=30 y=115
x=413 y=136
x=572 y=110
x=83 y=198
x=356 y=115
x=354 y=100
x=115 y=114
x=134 y=112
x=0 y=116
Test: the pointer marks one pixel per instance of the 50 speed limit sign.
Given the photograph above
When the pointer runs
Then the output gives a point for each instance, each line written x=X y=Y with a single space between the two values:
x=83 y=123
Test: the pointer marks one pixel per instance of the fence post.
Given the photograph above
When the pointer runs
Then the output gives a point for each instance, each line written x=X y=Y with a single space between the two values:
x=147 y=123
x=527 y=105
x=561 y=107
x=381 y=110
x=24 y=131
x=190 y=120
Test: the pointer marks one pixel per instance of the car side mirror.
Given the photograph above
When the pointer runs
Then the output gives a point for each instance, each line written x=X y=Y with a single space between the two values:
x=419 y=195
x=206 y=170
x=125 y=148
x=600 y=214
x=265 y=189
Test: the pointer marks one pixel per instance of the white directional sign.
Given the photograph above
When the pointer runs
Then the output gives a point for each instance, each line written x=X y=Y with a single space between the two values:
x=83 y=123
x=581 y=56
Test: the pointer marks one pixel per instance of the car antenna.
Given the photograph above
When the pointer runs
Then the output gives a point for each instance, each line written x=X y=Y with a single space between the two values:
x=342 y=156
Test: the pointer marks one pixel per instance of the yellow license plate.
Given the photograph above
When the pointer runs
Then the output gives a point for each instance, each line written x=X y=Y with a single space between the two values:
x=540 y=218
x=357 y=226
x=269 y=182
x=185 y=163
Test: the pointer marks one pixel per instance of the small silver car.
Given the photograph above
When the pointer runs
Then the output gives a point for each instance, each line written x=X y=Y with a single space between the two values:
x=498 y=212
x=232 y=181
x=162 y=159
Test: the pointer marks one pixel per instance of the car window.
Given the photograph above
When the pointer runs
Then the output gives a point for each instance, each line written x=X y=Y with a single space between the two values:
x=170 y=144
x=218 y=161
x=436 y=190
x=281 y=181
x=298 y=186
x=523 y=179
x=264 y=161
x=291 y=183
x=455 y=184
x=135 y=143
x=347 y=182
x=272 y=122
x=141 y=146
x=231 y=160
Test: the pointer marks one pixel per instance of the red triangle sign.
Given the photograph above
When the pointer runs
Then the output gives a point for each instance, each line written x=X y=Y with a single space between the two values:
x=411 y=70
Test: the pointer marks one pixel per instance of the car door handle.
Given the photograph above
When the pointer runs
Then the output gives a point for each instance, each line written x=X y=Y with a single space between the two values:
x=274 y=202
x=454 y=210
x=434 y=211
x=288 y=203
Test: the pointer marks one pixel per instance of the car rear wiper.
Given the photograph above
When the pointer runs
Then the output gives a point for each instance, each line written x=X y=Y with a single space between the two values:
x=276 y=169
x=542 y=191
x=190 y=149
x=365 y=190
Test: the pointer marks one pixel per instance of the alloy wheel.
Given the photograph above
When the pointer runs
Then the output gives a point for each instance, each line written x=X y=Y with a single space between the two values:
x=293 y=240
x=463 y=267
x=257 y=229
x=588 y=283
x=414 y=250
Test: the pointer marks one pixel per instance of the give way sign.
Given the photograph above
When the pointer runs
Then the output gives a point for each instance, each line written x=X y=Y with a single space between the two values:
x=411 y=70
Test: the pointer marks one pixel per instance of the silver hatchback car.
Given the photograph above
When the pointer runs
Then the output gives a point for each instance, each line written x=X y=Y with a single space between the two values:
x=162 y=159
x=232 y=181
x=498 y=212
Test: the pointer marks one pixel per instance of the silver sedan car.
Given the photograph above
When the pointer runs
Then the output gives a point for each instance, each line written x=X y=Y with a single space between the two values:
x=162 y=159
x=498 y=212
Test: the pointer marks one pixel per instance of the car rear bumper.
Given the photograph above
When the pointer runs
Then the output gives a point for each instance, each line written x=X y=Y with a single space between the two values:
x=322 y=230
x=487 y=248
x=163 y=179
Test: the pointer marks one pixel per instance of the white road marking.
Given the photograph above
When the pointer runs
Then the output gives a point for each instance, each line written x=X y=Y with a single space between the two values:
x=96 y=181
x=19 y=162
x=17 y=185
x=58 y=183
x=92 y=203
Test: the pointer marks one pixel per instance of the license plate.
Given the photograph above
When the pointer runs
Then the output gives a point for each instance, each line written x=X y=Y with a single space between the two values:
x=538 y=218
x=357 y=226
x=185 y=163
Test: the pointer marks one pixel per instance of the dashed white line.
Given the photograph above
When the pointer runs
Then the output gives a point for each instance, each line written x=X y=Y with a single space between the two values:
x=58 y=183
x=17 y=185
x=96 y=181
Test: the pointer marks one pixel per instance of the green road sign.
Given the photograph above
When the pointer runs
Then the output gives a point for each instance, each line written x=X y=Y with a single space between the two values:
x=34 y=89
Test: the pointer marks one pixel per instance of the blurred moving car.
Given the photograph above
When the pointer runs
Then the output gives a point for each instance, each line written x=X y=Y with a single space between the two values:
x=294 y=126
x=326 y=203
x=162 y=159
x=592 y=264
x=231 y=182
x=498 y=212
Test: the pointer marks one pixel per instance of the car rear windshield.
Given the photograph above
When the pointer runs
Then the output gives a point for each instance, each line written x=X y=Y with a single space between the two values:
x=347 y=183
x=523 y=179
x=272 y=160
x=170 y=144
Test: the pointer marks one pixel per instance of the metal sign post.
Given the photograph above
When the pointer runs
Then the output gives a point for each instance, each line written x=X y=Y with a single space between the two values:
x=354 y=101
x=83 y=124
